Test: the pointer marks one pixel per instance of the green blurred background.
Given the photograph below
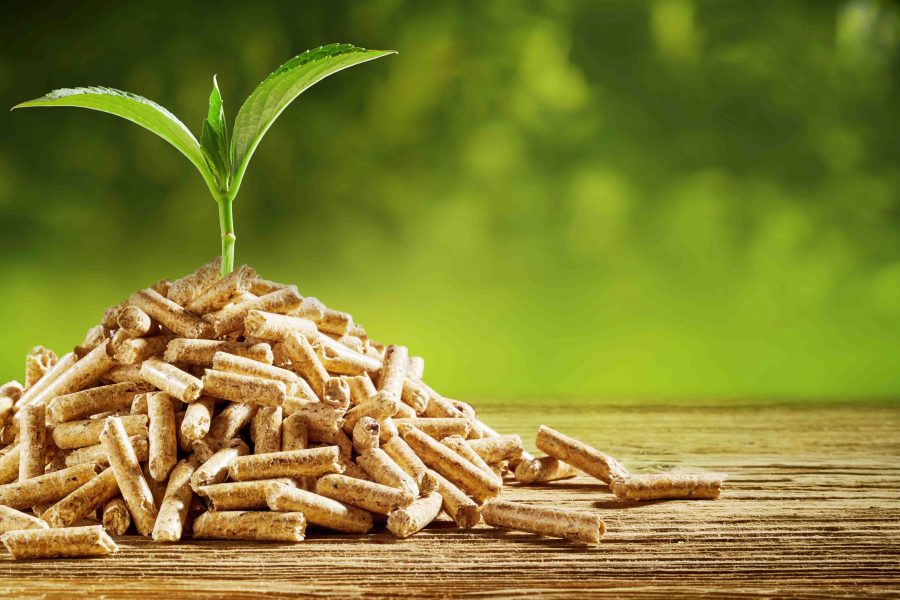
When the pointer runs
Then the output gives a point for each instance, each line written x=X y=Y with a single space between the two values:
x=624 y=200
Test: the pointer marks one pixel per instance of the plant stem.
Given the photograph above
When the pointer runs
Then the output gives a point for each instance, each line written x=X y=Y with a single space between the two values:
x=226 y=225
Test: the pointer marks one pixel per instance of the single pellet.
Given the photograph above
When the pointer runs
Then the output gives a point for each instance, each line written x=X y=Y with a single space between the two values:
x=415 y=395
x=320 y=416
x=361 y=388
x=189 y=287
x=311 y=308
x=384 y=470
x=9 y=465
x=327 y=319
x=578 y=454
x=393 y=372
x=93 y=401
x=201 y=352
x=215 y=468
x=59 y=543
x=198 y=418
x=24 y=396
x=367 y=495
x=78 y=376
x=32 y=441
x=319 y=510
x=223 y=361
x=124 y=464
x=123 y=374
x=416 y=368
x=133 y=321
x=260 y=286
x=341 y=360
x=132 y=351
x=438 y=427
x=305 y=362
x=365 y=434
x=379 y=407
x=14 y=520
x=240 y=495
x=38 y=362
x=83 y=501
x=217 y=295
x=543 y=469
x=668 y=486
x=404 y=456
x=462 y=509
x=162 y=436
x=582 y=527
x=115 y=517
x=451 y=465
x=275 y=327
x=172 y=316
x=250 y=525
x=497 y=449
x=171 y=379
x=78 y=434
x=293 y=463
x=458 y=444
x=244 y=388
x=231 y=318
x=403 y=522
x=46 y=488
x=265 y=430
x=228 y=423
x=173 y=510
x=97 y=455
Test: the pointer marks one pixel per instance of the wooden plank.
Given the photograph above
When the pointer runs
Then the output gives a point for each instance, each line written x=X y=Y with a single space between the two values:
x=810 y=509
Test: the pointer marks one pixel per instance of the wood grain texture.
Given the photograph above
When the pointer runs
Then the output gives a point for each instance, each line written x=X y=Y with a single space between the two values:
x=811 y=509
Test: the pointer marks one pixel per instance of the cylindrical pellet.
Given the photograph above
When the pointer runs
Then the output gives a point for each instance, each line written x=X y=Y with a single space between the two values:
x=201 y=352
x=105 y=398
x=275 y=327
x=367 y=495
x=80 y=375
x=133 y=321
x=260 y=286
x=171 y=379
x=115 y=517
x=24 y=396
x=46 y=488
x=14 y=520
x=415 y=395
x=78 y=434
x=497 y=449
x=38 y=362
x=134 y=351
x=250 y=525
x=176 y=502
x=189 y=287
x=365 y=434
x=244 y=388
x=83 y=501
x=123 y=374
x=341 y=360
x=462 y=509
x=215 y=468
x=217 y=295
x=305 y=362
x=229 y=422
x=404 y=456
x=336 y=393
x=124 y=464
x=382 y=469
x=451 y=465
x=293 y=463
x=97 y=455
x=198 y=418
x=545 y=468
x=318 y=415
x=583 y=527
x=319 y=510
x=59 y=543
x=162 y=436
x=231 y=318
x=668 y=486
x=265 y=430
x=438 y=428
x=458 y=445
x=32 y=441
x=240 y=495
x=223 y=361
x=393 y=372
x=379 y=407
x=361 y=388
x=403 y=522
x=578 y=454
x=172 y=316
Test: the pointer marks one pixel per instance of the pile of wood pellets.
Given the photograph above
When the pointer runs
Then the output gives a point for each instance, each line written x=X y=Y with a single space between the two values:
x=234 y=408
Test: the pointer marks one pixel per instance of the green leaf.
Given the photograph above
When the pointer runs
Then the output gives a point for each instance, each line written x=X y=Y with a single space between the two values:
x=214 y=139
x=144 y=112
x=280 y=88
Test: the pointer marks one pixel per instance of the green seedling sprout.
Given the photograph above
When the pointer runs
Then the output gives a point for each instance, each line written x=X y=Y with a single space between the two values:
x=221 y=159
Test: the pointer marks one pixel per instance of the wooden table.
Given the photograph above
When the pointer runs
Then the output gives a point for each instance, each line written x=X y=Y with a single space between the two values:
x=811 y=508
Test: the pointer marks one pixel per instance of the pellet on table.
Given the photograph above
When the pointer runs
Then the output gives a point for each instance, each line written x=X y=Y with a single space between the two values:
x=403 y=522
x=668 y=486
x=215 y=468
x=305 y=362
x=579 y=455
x=265 y=430
x=319 y=510
x=244 y=388
x=366 y=434
x=543 y=469
x=105 y=398
x=38 y=362
x=133 y=351
x=173 y=510
x=83 y=501
x=384 y=470
x=250 y=525
x=293 y=463
x=59 y=543
x=134 y=321
x=32 y=441
x=576 y=526
x=49 y=487
x=171 y=379
x=132 y=484
x=223 y=361
x=15 y=520
x=497 y=449
x=162 y=435
x=77 y=434
x=201 y=352
x=172 y=316
x=462 y=509
x=368 y=495
x=240 y=495
x=115 y=517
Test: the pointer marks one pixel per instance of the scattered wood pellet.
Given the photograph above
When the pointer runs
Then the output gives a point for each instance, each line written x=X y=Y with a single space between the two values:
x=187 y=288
x=305 y=362
x=215 y=468
x=32 y=441
x=496 y=449
x=275 y=327
x=582 y=527
x=250 y=525
x=115 y=517
x=543 y=469
x=403 y=522
x=439 y=427
x=172 y=316
x=198 y=418
x=58 y=543
x=77 y=434
x=265 y=430
x=96 y=454
x=659 y=486
x=462 y=509
x=163 y=442
x=579 y=455
x=365 y=434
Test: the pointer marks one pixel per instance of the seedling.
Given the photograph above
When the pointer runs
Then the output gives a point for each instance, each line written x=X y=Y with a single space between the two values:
x=221 y=158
